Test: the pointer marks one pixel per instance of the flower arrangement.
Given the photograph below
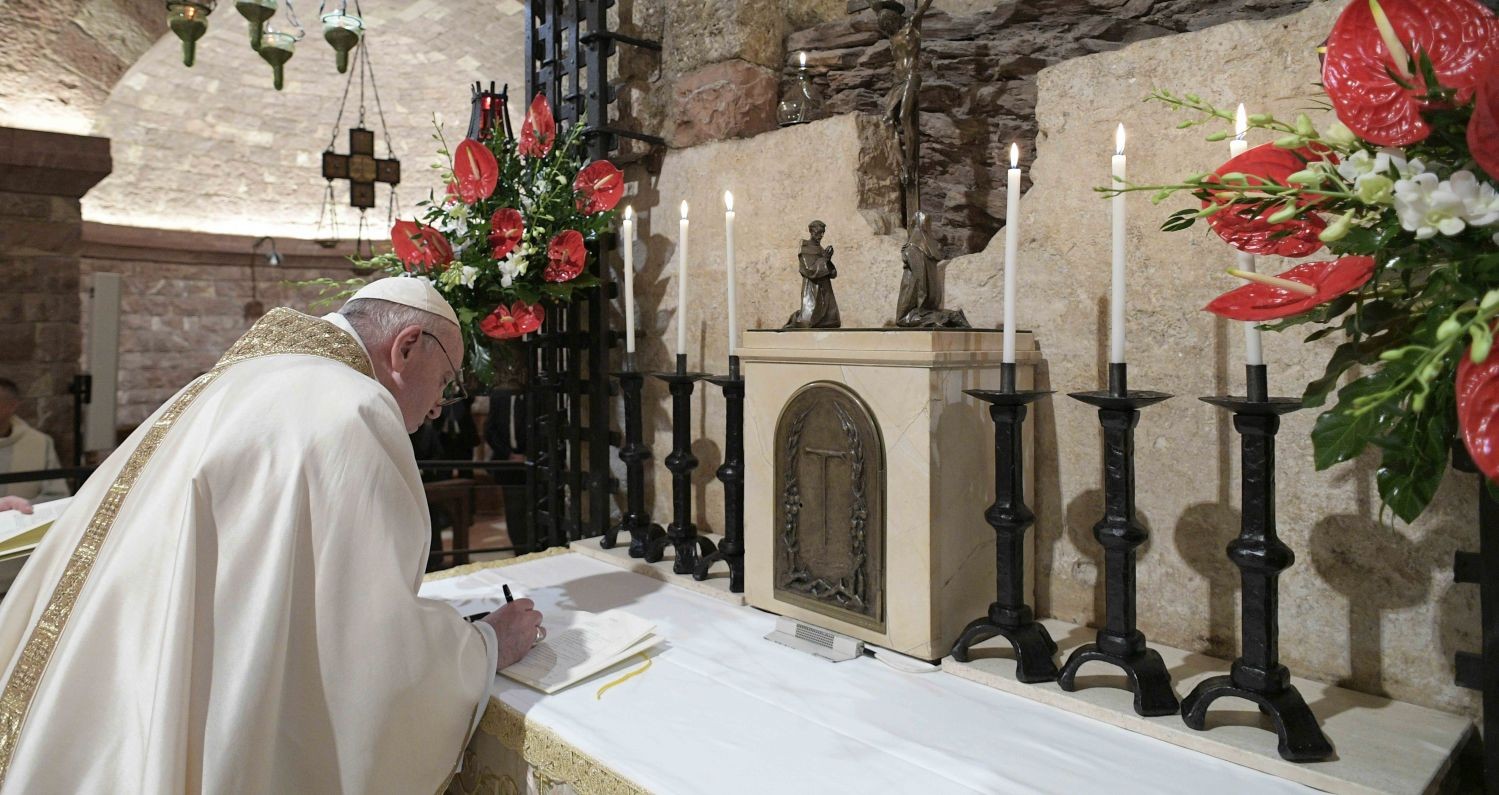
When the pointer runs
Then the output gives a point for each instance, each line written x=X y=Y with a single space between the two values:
x=511 y=234
x=1400 y=191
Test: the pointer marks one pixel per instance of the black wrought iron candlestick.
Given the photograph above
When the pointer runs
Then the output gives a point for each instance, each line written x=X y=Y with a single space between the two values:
x=1009 y=616
x=681 y=533
x=1261 y=556
x=731 y=474
x=1119 y=642
x=636 y=520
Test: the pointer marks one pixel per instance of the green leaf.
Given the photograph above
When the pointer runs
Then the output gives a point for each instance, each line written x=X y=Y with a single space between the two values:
x=1341 y=434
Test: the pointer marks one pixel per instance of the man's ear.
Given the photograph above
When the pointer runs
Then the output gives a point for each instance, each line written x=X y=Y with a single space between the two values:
x=403 y=345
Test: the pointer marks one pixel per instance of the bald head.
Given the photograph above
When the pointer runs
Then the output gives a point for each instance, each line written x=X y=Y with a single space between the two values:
x=414 y=353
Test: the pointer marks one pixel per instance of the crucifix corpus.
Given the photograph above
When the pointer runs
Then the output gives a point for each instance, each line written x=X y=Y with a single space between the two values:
x=918 y=303
x=361 y=168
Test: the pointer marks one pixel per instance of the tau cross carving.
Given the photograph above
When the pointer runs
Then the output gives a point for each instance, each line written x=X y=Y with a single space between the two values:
x=824 y=457
x=361 y=168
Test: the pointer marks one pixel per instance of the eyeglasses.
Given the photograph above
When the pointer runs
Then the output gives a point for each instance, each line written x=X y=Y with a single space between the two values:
x=453 y=392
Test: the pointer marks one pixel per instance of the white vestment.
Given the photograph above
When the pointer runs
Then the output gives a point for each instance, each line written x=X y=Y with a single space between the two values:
x=229 y=604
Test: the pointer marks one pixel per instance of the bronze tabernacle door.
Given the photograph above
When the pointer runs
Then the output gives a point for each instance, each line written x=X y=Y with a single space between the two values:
x=830 y=507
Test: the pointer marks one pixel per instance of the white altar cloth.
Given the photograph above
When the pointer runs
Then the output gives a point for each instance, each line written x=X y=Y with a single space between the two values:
x=722 y=710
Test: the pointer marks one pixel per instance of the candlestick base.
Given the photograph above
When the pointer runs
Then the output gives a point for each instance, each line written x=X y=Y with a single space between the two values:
x=1009 y=616
x=731 y=474
x=681 y=533
x=1261 y=557
x=1119 y=642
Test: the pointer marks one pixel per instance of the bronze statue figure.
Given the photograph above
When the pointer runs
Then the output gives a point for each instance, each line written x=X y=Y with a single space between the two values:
x=903 y=103
x=919 y=305
x=819 y=308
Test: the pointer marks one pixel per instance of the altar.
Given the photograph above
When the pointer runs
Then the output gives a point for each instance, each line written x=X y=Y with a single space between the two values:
x=721 y=710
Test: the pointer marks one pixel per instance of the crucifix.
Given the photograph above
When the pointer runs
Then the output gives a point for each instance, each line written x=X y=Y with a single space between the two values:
x=361 y=168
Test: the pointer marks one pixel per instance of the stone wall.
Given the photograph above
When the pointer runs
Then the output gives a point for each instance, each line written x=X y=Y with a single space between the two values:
x=978 y=92
x=1367 y=605
x=42 y=175
x=183 y=298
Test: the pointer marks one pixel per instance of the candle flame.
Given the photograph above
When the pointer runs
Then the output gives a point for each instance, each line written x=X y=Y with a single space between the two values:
x=629 y=213
x=1119 y=140
x=1014 y=155
x=1241 y=123
x=684 y=209
x=728 y=201
x=804 y=59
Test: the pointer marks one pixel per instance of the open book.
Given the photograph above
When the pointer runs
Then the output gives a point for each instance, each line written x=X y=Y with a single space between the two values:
x=589 y=643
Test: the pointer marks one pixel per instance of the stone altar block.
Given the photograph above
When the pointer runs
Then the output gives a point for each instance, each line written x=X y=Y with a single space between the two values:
x=867 y=475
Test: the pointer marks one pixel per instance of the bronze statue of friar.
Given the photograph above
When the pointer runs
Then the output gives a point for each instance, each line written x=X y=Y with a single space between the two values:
x=819 y=308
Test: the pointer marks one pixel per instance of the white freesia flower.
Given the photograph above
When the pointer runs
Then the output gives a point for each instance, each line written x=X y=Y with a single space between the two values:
x=1427 y=206
x=466 y=276
x=1480 y=200
x=513 y=265
x=454 y=227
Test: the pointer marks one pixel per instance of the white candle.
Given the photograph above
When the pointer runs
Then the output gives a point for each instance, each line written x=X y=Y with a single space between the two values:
x=1116 y=304
x=728 y=235
x=1253 y=350
x=682 y=284
x=627 y=232
x=1012 y=247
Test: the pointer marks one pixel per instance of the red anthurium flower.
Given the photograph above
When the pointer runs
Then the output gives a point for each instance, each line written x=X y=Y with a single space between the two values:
x=1260 y=302
x=1478 y=409
x=539 y=131
x=509 y=322
x=475 y=171
x=599 y=187
x=1483 y=128
x=1459 y=36
x=565 y=257
x=1252 y=232
x=505 y=230
x=420 y=246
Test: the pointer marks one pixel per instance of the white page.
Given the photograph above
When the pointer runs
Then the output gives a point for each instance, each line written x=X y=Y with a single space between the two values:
x=591 y=644
x=14 y=523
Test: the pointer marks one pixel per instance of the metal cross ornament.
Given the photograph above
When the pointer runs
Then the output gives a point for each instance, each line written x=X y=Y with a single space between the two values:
x=361 y=168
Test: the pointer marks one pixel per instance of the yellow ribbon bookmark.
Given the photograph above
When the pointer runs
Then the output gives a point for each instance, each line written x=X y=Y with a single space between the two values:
x=637 y=672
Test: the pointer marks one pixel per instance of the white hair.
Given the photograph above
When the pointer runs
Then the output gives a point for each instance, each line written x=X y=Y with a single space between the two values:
x=378 y=320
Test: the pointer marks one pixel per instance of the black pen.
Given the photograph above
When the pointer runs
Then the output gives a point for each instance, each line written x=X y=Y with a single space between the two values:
x=508 y=597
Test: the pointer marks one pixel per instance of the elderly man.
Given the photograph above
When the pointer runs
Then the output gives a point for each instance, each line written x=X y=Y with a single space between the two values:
x=24 y=449
x=229 y=604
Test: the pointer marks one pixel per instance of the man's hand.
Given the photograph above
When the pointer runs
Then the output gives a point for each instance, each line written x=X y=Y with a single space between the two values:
x=14 y=504
x=515 y=625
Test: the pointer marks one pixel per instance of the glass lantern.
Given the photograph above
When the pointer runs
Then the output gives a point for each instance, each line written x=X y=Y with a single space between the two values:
x=276 y=48
x=256 y=12
x=802 y=103
x=189 y=20
x=343 y=32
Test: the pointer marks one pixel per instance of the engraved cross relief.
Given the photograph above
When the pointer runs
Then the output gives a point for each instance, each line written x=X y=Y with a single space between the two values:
x=830 y=512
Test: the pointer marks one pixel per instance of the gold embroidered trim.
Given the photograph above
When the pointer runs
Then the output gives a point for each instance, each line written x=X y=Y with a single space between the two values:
x=280 y=331
x=551 y=757
x=470 y=568
x=285 y=330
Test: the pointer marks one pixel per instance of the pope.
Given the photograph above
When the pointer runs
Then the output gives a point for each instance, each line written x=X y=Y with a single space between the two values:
x=229 y=604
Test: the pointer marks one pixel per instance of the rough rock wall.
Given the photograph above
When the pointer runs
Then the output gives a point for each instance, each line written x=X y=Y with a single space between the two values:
x=978 y=89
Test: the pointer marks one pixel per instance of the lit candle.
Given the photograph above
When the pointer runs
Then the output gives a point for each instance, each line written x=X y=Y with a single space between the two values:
x=627 y=232
x=1116 y=305
x=1012 y=245
x=803 y=55
x=728 y=235
x=682 y=284
x=1253 y=351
